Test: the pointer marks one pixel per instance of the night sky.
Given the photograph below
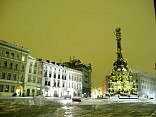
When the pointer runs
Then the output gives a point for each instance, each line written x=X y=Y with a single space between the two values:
x=58 y=29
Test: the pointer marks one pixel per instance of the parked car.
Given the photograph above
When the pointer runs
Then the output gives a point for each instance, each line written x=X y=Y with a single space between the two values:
x=67 y=97
x=76 y=99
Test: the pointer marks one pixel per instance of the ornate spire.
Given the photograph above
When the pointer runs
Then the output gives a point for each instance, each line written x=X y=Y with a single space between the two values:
x=118 y=39
x=119 y=63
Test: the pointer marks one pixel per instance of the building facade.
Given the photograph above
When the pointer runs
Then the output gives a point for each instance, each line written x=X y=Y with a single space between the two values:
x=86 y=74
x=24 y=75
x=58 y=80
x=13 y=61
x=31 y=77
x=146 y=84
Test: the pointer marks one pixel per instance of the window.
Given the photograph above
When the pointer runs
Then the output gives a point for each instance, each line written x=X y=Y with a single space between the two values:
x=7 y=88
x=54 y=84
x=20 y=78
x=23 y=58
x=45 y=74
x=45 y=82
x=49 y=83
x=63 y=85
x=14 y=77
x=3 y=75
x=17 y=57
x=35 y=64
x=1 y=88
x=58 y=84
x=7 y=54
x=34 y=71
x=22 y=68
x=12 y=55
x=34 y=79
x=16 y=67
x=50 y=75
x=30 y=70
x=59 y=76
x=12 y=88
x=10 y=65
x=29 y=79
x=9 y=76
x=54 y=75
x=5 y=64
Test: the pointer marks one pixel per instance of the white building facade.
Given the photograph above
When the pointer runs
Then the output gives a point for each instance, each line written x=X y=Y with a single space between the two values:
x=30 y=85
x=58 y=81
x=146 y=84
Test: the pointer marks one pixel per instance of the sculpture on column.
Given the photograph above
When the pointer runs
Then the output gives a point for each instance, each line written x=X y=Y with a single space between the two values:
x=120 y=81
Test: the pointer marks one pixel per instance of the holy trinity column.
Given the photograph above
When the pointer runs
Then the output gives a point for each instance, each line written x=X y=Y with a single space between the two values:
x=120 y=81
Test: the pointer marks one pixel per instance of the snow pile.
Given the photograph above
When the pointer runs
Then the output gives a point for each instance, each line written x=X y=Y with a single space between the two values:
x=38 y=100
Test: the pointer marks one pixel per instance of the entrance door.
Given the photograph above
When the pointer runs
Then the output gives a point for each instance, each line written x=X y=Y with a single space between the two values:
x=28 y=92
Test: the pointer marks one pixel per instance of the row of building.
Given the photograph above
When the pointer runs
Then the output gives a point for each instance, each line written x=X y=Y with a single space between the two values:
x=25 y=75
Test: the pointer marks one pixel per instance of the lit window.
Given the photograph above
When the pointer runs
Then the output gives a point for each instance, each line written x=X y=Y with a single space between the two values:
x=23 y=58
x=7 y=88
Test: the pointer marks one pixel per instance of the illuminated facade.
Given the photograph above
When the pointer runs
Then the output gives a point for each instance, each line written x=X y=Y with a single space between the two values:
x=86 y=74
x=120 y=81
x=31 y=77
x=146 y=83
x=58 y=80
x=13 y=61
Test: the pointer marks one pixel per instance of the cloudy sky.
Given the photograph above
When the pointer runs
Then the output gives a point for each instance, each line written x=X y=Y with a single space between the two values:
x=58 y=29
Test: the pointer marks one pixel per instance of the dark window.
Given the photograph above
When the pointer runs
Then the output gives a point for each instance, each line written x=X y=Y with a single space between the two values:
x=5 y=64
x=45 y=74
x=54 y=75
x=58 y=84
x=21 y=78
x=14 y=77
x=3 y=75
x=35 y=64
x=34 y=79
x=9 y=76
x=1 y=88
x=49 y=83
x=10 y=65
x=63 y=85
x=22 y=68
x=7 y=54
x=12 y=88
x=12 y=55
x=50 y=75
x=59 y=76
x=7 y=88
x=29 y=79
x=17 y=57
x=16 y=67
x=34 y=71
x=30 y=69
x=54 y=84
x=45 y=82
